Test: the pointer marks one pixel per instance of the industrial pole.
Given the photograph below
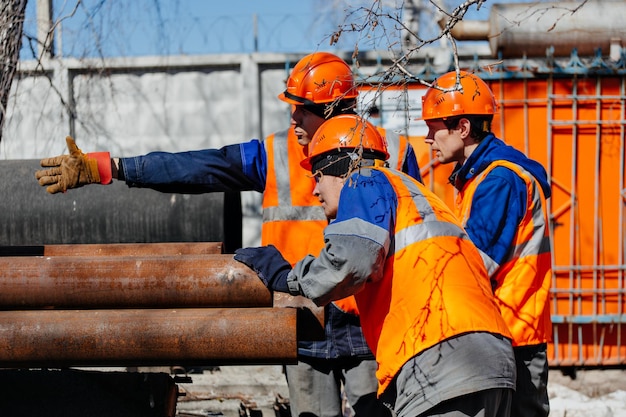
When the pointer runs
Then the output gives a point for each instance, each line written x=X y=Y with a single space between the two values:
x=45 y=31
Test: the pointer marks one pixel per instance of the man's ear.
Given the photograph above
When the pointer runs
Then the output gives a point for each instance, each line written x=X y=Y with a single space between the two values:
x=465 y=127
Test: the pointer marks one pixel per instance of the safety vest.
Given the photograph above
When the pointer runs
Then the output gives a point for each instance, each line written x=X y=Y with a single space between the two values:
x=434 y=287
x=293 y=219
x=524 y=279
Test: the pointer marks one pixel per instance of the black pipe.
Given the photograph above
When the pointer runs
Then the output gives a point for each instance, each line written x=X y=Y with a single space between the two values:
x=114 y=213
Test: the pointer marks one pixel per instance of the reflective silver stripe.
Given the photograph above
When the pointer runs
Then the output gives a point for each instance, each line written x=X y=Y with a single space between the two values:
x=536 y=246
x=285 y=210
x=393 y=147
x=539 y=242
x=293 y=213
x=421 y=203
x=281 y=168
x=490 y=264
x=361 y=228
x=430 y=227
x=427 y=230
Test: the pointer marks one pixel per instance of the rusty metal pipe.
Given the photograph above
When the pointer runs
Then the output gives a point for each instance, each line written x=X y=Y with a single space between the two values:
x=129 y=282
x=134 y=249
x=115 y=249
x=144 y=337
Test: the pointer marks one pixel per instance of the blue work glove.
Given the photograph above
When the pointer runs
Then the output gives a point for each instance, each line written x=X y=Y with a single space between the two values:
x=269 y=265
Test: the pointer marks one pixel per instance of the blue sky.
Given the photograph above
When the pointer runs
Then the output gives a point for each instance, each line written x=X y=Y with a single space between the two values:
x=157 y=27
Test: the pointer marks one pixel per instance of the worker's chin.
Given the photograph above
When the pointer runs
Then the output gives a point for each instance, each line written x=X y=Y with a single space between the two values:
x=303 y=138
x=330 y=213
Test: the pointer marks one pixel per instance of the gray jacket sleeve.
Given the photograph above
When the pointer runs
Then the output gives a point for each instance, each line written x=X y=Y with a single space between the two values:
x=354 y=253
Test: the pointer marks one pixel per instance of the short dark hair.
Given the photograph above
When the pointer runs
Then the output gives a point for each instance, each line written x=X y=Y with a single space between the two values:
x=328 y=110
x=480 y=125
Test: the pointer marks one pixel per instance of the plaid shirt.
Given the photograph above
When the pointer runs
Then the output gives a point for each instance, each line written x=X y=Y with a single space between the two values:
x=344 y=338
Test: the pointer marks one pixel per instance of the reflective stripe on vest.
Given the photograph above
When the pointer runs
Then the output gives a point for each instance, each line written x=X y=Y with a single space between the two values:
x=293 y=219
x=524 y=279
x=397 y=146
x=434 y=287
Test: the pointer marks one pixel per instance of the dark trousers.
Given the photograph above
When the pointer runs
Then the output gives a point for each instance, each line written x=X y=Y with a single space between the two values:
x=531 y=394
x=488 y=403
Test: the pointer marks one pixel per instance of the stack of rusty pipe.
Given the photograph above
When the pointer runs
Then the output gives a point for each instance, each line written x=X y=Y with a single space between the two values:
x=145 y=304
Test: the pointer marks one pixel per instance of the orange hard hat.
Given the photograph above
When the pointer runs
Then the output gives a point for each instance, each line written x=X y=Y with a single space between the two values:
x=475 y=98
x=319 y=78
x=346 y=133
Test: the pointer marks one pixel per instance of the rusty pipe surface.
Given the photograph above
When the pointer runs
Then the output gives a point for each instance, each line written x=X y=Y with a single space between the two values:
x=147 y=337
x=129 y=282
x=311 y=318
x=115 y=249
x=135 y=249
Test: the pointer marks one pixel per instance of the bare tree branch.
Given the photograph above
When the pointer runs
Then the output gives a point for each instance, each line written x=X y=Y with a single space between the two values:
x=11 y=26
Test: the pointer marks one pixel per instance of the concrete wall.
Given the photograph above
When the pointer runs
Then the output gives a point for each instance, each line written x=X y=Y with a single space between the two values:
x=132 y=106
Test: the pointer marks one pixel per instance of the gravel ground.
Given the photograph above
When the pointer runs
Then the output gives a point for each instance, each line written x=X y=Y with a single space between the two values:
x=229 y=388
x=594 y=393
x=229 y=391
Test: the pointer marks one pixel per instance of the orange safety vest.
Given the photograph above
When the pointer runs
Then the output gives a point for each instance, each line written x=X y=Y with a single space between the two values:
x=523 y=280
x=434 y=286
x=293 y=219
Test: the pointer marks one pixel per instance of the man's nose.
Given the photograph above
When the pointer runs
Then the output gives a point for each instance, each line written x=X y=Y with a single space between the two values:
x=295 y=113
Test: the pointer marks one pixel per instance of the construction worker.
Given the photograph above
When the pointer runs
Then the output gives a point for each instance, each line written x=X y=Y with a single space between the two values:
x=501 y=202
x=321 y=85
x=426 y=306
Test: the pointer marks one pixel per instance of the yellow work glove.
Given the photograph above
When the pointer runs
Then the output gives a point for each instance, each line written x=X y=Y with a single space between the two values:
x=73 y=170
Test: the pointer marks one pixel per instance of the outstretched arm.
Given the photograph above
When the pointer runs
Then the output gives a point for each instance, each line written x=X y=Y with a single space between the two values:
x=239 y=167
